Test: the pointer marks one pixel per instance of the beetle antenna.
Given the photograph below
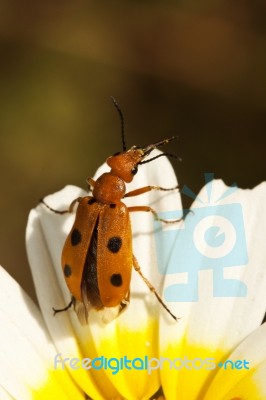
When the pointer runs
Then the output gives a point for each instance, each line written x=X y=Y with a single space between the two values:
x=121 y=121
x=161 y=155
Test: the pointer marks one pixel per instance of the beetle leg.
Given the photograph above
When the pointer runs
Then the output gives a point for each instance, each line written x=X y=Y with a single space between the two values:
x=69 y=210
x=151 y=287
x=156 y=216
x=125 y=302
x=146 y=189
x=72 y=302
x=90 y=183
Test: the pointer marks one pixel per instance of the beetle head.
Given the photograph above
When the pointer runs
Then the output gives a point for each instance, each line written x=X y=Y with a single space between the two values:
x=125 y=164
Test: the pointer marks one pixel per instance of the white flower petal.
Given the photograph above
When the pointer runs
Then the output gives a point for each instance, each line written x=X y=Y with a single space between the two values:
x=213 y=325
x=245 y=380
x=26 y=351
x=45 y=237
x=4 y=395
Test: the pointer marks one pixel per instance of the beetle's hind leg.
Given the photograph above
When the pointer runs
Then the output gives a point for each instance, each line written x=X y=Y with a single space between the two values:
x=151 y=287
x=69 y=210
x=70 y=304
x=125 y=302
x=80 y=309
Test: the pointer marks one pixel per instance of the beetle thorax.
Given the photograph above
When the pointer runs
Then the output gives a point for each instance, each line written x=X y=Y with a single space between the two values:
x=109 y=189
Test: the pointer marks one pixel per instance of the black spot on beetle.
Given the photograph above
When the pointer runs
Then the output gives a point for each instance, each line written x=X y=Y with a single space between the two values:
x=112 y=205
x=67 y=271
x=75 y=237
x=114 y=244
x=91 y=201
x=116 y=280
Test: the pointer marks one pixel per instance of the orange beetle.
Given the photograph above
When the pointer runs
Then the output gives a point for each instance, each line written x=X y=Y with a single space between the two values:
x=97 y=255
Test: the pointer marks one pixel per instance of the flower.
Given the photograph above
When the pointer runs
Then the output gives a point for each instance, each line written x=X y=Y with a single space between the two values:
x=212 y=327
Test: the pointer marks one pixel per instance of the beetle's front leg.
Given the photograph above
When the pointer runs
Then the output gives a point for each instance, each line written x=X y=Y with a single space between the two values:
x=156 y=216
x=69 y=210
x=90 y=183
x=146 y=189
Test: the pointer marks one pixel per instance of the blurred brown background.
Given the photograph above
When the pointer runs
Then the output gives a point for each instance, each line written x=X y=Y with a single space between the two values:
x=196 y=69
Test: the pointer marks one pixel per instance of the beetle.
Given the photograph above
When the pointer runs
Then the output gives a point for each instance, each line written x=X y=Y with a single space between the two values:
x=97 y=256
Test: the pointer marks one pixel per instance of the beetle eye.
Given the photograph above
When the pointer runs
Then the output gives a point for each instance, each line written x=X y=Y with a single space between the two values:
x=134 y=170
